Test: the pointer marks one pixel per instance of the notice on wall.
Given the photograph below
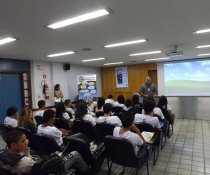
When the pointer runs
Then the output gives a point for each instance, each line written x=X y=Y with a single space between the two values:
x=86 y=86
x=121 y=77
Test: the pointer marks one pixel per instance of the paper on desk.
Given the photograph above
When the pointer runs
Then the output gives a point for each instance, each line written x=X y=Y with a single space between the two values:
x=147 y=135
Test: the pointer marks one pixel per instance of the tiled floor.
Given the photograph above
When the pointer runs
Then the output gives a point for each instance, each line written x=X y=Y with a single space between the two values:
x=187 y=152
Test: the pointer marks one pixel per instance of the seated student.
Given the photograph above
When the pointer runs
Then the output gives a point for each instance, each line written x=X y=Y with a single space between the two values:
x=11 y=116
x=26 y=120
x=48 y=127
x=120 y=101
x=82 y=113
x=110 y=100
x=100 y=104
x=128 y=105
x=108 y=118
x=18 y=155
x=135 y=101
x=62 y=114
x=124 y=131
x=156 y=111
x=41 y=105
x=69 y=107
x=148 y=117
x=163 y=104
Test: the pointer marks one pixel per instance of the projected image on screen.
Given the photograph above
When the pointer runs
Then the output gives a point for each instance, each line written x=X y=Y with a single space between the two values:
x=187 y=78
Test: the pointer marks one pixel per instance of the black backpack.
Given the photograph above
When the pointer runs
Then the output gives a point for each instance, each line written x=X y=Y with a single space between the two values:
x=51 y=165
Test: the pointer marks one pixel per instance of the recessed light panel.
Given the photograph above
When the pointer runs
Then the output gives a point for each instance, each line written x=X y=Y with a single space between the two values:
x=78 y=19
x=6 y=40
x=61 y=54
x=95 y=59
x=145 y=53
x=125 y=43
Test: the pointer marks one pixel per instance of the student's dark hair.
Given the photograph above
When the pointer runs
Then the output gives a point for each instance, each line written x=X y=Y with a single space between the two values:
x=126 y=119
x=60 y=108
x=56 y=87
x=67 y=101
x=107 y=108
x=148 y=105
x=41 y=103
x=48 y=114
x=121 y=99
x=110 y=96
x=11 y=111
x=162 y=102
x=13 y=137
x=128 y=102
x=100 y=102
x=81 y=109
x=135 y=99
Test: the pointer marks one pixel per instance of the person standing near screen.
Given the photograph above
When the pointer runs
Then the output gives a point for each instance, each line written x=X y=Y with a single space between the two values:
x=58 y=94
x=148 y=89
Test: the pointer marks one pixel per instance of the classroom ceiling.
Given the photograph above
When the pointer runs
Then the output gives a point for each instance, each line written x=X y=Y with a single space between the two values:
x=163 y=23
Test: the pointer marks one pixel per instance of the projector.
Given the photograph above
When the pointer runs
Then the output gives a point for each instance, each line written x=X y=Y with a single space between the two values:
x=174 y=52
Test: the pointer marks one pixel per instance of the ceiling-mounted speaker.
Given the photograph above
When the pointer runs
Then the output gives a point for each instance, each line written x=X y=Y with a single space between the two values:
x=66 y=66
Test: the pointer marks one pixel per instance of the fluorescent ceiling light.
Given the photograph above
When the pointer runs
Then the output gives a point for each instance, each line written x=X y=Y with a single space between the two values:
x=204 y=46
x=78 y=19
x=95 y=59
x=61 y=54
x=202 y=31
x=145 y=53
x=157 y=59
x=6 y=40
x=204 y=54
x=125 y=43
x=113 y=63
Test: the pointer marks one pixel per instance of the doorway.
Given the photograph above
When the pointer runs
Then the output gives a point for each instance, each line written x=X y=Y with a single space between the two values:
x=10 y=93
x=153 y=75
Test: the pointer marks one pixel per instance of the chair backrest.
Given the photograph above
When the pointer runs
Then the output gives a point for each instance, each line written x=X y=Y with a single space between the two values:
x=30 y=137
x=120 y=151
x=39 y=120
x=7 y=170
x=61 y=123
x=137 y=109
x=146 y=127
x=79 y=142
x=46 y=144
x=99 y=113
x=4 y=130
x=104 y=129
x=84 y=127
x=116 y=109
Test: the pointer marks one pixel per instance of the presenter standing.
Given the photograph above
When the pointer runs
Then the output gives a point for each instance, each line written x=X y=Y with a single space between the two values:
x=148 y=89
x=58 y=94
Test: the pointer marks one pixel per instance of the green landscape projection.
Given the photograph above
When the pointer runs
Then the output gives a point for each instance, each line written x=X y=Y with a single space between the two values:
x=184 y=86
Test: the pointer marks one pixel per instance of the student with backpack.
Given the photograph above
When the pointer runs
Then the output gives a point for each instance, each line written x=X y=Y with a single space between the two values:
x=17 y=155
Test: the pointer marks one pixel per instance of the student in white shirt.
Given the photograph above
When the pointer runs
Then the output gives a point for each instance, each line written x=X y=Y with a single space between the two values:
x=48 y=127
x=148 y=117
x=100 y=104
x=11 y=116
x=69 y=107
x=124 y=132
x=108 y=118
x=82 y=113
x=120 y=101
x=110 y=100
x=62 y=114
x=41 y=105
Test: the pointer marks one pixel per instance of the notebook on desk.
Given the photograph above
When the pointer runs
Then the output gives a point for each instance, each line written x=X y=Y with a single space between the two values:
x=147 y=135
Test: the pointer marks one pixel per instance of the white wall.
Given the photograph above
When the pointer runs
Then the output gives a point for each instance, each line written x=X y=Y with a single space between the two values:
x=68 y=79
x=56 y=75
